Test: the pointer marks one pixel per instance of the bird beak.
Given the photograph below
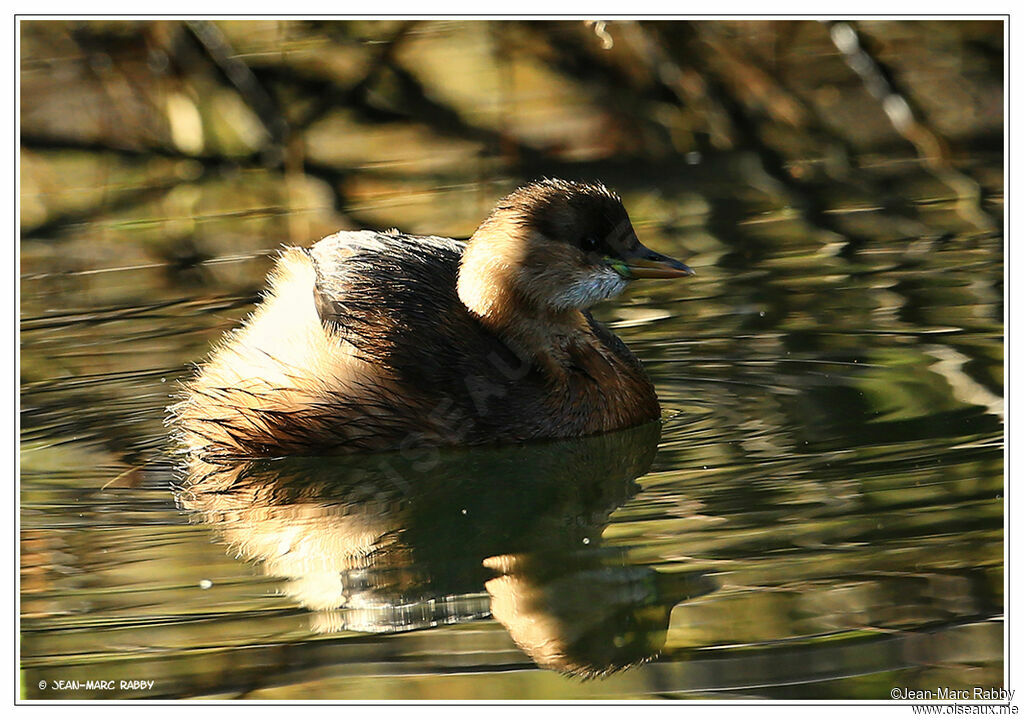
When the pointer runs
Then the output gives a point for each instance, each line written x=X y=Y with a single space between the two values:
x=642 y=262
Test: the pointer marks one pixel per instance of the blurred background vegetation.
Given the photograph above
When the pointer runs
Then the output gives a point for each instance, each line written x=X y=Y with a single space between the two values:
x=229 y=130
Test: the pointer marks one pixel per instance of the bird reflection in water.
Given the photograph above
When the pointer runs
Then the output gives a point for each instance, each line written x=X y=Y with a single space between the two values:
x=398 y=542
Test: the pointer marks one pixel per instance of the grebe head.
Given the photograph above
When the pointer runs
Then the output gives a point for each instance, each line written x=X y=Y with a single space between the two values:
x=554 y=246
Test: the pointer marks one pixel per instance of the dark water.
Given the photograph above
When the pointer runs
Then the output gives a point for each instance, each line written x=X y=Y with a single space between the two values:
x=819 y=515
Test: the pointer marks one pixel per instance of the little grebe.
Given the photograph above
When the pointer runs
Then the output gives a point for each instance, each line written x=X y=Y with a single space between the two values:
x=381 y=341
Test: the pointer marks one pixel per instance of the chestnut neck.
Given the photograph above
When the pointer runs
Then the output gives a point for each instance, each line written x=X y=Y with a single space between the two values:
x=490 y=286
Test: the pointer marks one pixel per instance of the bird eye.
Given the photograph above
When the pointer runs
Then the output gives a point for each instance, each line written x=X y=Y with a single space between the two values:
x=589 y=243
